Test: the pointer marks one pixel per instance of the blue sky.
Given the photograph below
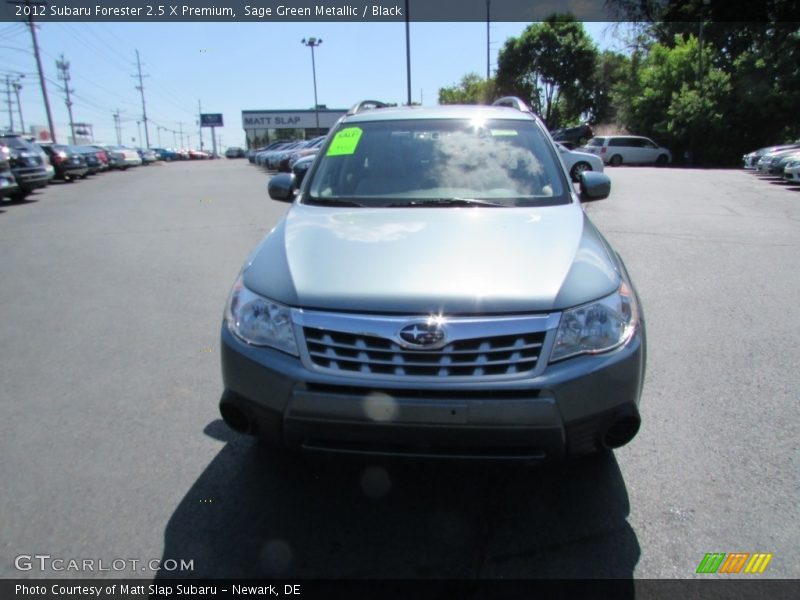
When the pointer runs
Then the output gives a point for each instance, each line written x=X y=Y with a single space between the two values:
x=232 y=67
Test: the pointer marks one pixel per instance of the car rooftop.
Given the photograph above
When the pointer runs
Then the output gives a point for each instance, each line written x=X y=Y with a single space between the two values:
x=450 y=111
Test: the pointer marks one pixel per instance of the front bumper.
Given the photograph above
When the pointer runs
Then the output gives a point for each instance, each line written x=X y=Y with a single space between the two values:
x=573 y=407
x=31 y=179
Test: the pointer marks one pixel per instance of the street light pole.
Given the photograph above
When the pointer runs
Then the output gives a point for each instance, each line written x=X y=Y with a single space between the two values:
x=408 y=57
x=313 y=43
x=488 y=42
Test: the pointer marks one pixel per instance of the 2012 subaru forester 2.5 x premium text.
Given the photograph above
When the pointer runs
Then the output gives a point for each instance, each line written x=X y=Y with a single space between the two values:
x=435 y=290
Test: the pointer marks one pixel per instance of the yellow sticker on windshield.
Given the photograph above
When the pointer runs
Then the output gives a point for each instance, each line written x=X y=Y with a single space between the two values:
x=504 y=132
x=345 y=142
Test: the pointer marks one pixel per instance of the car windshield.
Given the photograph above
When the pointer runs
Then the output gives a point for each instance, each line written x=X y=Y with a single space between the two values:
x=16 y=143
x=427 y=162
x=598 y=141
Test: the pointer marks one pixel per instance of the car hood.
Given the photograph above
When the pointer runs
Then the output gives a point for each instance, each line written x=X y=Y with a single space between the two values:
x=431 y=260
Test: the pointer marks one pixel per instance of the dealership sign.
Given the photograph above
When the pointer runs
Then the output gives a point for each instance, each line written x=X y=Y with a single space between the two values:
x=211 y=120
x=290 y=119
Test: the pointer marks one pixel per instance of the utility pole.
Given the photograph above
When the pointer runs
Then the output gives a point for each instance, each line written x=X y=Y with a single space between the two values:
x=31 y=11
x=17 y=87
x=63 y=67
x=10 y=105
x=180 y=126
x=117 y=128
x=140 y=87
x=200 y=123
x=158 y=133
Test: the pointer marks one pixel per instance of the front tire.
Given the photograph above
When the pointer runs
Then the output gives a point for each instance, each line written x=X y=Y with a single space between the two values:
x=578 y=168
x=662 y=160
x=615 y=161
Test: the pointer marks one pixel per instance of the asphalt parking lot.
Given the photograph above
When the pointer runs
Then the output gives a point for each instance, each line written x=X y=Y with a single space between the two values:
x=112 y=447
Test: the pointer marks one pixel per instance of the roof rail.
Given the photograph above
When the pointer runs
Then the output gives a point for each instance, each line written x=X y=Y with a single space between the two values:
x=366 y=105
x=512 y=102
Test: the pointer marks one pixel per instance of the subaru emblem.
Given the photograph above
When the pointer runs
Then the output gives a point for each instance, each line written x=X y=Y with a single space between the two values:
x=422 y=334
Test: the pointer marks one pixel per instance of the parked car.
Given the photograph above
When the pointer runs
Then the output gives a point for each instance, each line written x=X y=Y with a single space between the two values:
x=67 y=161
x=773 y=163
x=234 y=152
x=199 y=155
x=166 y=154
x=575 y=135
x=267 y=157
x=579 y=162
x=628 y=149
x=288 y=158
x=792 y=171
x=252 y=155
x=436 y=290
x=275 y=158
x=301 y=167
x=94 y=158
x=28 y=164
x=121 y=157
x=148 y=155
x=8 y=184
x=751 y=159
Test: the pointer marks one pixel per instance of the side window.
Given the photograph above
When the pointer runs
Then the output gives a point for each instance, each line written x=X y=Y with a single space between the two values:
x=618 y=141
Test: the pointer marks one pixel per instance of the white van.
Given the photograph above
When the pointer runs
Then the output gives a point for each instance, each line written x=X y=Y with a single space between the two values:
x=628 y=149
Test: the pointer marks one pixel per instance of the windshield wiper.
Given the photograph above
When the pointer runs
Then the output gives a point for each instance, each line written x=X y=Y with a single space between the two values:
x=449 y=202
x=332 y=202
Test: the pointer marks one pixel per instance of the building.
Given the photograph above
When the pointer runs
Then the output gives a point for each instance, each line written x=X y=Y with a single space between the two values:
x=262 y=127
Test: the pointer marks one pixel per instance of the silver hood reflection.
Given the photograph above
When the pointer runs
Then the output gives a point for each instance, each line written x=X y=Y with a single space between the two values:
x=433 y=260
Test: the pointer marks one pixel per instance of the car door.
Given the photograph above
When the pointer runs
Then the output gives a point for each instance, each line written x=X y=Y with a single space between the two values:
x=649 y=151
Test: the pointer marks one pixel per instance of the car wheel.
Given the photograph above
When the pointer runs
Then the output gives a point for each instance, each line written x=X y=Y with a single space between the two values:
x=20 y=195
x=615 y=161
x=662 y=160
x=579 y=168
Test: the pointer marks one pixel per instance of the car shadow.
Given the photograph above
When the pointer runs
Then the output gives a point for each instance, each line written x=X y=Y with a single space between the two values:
x=256 y=512
x=783 y=183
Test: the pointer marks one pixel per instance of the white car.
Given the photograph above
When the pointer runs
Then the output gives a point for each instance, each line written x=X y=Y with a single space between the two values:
x=792 y=171
x=577 y=162
x=628 y=149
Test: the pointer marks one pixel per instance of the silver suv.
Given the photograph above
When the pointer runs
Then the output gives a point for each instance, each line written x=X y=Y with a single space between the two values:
x=437 y=291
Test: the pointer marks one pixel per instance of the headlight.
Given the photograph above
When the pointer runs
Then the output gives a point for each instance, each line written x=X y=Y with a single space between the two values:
x=260 y=321
x=597 y=327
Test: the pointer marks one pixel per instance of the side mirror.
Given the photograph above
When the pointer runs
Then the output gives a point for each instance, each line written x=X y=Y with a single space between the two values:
x=594 y=186
x=282 y=187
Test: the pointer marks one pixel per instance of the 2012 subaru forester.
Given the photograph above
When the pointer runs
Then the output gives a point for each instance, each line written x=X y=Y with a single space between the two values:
x=436 y=290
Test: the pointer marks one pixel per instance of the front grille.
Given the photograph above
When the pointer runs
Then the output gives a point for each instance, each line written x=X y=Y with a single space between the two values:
x=371 y=355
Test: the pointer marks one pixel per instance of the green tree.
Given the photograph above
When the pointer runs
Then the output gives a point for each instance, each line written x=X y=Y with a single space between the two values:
x=679 y=108
x=725 y=75
x=472 y=89
x=613 y=70
x=551 y=66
